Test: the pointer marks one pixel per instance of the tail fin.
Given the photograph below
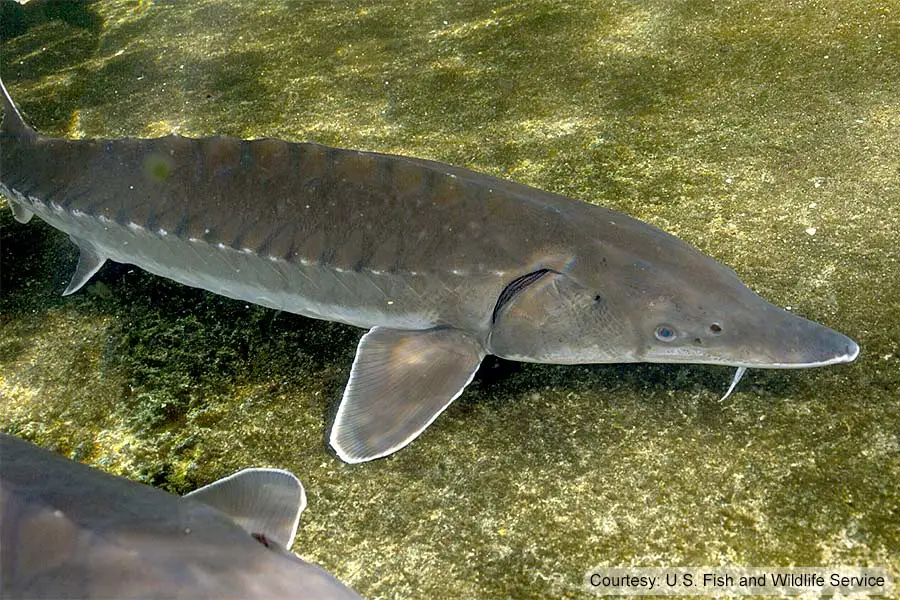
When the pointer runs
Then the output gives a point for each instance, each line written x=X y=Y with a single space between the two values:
x=13 y=124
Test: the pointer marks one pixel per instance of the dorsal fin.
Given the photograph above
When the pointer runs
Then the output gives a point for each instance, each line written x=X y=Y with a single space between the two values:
x=262 y=501
x=13 y=124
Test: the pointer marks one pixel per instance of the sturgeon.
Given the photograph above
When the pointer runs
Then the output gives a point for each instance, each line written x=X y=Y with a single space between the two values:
x=71 y=531
x=441 y=264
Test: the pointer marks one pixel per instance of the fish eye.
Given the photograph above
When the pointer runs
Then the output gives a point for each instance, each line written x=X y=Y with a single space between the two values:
x=665 y=333
x=715 y=328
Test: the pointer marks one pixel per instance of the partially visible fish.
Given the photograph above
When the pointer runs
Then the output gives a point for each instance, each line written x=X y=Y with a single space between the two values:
x=71 y=531
x=442 y=265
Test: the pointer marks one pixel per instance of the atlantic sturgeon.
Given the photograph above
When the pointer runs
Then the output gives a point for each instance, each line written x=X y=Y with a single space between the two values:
x=443 y=265
x=71 y=531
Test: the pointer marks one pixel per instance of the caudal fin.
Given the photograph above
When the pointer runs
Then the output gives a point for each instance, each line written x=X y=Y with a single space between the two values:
x=13 y=124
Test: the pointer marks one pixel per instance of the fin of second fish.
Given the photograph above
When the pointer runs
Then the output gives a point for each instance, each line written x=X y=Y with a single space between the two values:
x=261 y=501
x=401 y=381
x=89 y=262
x=20 y=213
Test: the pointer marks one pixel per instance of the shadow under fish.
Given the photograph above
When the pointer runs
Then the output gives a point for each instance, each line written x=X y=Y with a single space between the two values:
x=443 y=265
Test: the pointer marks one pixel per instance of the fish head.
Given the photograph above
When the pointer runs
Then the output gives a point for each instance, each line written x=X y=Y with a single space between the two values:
x=707 y=315
x=655 y=300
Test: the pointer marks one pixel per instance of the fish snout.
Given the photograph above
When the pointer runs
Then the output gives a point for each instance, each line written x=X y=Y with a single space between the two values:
x=805 y=343
x=851 y=350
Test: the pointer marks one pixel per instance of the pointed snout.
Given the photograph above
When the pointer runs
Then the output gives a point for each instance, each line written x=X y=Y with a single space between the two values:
x=792 y=342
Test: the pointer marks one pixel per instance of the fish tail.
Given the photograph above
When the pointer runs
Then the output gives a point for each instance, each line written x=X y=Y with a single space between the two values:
x=13 y=124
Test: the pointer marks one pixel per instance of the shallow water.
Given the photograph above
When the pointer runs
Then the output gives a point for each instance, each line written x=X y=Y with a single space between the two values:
x=765 y=134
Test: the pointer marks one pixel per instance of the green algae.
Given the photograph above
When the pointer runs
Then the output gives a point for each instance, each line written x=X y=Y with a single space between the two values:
x=765 y=134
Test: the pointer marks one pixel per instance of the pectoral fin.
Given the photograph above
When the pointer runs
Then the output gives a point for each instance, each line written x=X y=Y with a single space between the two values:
x=261 y=501
x=400 y=382
x=89 y=262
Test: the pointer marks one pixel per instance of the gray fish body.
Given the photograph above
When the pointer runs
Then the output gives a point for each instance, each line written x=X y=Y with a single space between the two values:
x=71 y=531
x=356 y=237
x=443 y=264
